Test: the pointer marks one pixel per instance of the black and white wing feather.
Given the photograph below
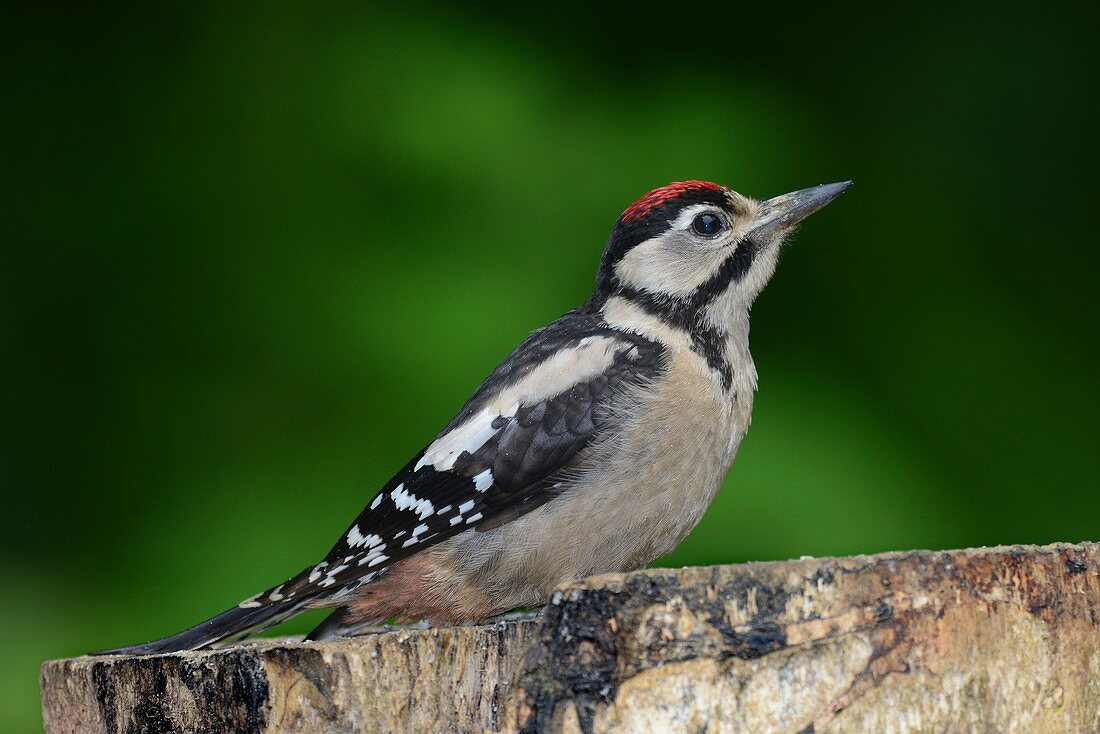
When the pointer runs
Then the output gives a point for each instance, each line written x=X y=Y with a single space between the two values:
x=500 y=457
x=504 y=454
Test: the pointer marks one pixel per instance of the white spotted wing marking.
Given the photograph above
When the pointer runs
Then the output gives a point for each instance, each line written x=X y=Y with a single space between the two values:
x=416 y=533
x=462 y=510
x=405 y=500
x=372 y=555
x=356 y=539
x=484 y=480
x=315 y=572
x=427 y=505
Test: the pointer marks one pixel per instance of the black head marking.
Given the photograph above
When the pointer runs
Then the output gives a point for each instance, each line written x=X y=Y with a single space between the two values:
x=651 y=216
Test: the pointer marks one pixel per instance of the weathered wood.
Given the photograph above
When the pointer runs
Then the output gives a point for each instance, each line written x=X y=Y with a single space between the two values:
x=989 y=640
x=434 y=680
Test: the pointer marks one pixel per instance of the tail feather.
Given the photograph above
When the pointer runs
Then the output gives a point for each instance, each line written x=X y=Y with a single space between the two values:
x=229 y=626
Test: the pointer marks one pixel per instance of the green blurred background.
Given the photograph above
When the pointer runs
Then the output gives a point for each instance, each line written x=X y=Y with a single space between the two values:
x=255 y=258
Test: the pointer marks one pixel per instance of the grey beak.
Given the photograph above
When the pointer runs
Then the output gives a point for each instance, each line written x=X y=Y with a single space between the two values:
x=784 y=212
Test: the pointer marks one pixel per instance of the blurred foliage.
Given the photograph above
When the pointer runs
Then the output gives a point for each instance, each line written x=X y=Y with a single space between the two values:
x=256 y=257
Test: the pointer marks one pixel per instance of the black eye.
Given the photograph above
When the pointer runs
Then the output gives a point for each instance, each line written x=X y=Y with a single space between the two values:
x=707 y=224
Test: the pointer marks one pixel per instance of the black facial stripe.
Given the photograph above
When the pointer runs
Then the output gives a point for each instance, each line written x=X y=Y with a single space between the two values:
x=627 y=234
x=731 y=271
x=687 y=313
x=705 y=339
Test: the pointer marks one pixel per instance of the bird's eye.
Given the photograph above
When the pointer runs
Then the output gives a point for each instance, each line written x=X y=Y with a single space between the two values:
x=707 y=224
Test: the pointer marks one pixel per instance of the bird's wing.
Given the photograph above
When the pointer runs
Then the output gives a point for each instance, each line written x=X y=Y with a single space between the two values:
x=500 y=457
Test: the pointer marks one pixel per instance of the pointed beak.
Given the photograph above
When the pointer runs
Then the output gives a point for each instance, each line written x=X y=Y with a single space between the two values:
x=783 y=213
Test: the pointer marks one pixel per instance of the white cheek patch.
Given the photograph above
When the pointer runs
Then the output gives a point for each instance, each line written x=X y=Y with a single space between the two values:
x=661 y=265
x=676 y=262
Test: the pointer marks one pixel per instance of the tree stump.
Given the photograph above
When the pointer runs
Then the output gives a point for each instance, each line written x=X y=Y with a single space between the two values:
x=989 y=640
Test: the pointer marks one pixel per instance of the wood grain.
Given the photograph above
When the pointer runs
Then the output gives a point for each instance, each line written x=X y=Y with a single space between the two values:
x=988 y=640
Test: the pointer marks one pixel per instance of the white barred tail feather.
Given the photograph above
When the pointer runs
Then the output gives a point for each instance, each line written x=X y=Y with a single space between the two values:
x=229 y=626
x=594 y=447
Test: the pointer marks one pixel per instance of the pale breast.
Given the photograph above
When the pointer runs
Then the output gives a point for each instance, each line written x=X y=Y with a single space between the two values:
x=634 y=497
x=669 y=461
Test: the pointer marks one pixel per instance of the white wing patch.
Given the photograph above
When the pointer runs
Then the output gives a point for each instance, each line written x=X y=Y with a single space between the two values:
x=416 y=533
x=578 y=364
x=484 y=480
x=356 y=538
x=315 y=573
x=409 y=501
x=588 y=358
x=467 y=438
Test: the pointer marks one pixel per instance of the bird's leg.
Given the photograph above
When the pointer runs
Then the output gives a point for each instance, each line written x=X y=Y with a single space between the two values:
x=516 y=615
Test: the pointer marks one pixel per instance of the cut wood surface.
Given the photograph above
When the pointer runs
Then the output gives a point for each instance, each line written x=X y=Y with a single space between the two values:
x=989 y=640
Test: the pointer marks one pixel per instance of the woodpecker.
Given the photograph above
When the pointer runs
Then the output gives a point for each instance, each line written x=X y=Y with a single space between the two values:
x=595 y=446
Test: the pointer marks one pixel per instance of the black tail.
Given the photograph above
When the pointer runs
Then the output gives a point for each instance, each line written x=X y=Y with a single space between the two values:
x=231 y=625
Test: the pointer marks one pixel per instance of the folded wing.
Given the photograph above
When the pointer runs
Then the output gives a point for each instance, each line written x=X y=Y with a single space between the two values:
x=504 y=454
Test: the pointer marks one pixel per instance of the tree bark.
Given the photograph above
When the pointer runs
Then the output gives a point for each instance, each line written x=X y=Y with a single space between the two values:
x=995 y=640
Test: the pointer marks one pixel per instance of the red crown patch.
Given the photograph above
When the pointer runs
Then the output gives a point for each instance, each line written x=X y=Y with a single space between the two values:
x=657 y=197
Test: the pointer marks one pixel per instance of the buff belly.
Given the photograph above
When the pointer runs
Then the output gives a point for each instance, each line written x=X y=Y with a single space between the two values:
x=632 y=499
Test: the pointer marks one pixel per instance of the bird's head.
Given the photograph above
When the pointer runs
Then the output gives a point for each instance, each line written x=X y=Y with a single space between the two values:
x=692 y=243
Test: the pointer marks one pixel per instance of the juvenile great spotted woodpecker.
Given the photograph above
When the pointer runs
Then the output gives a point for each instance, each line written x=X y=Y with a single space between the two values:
x=596 y=446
